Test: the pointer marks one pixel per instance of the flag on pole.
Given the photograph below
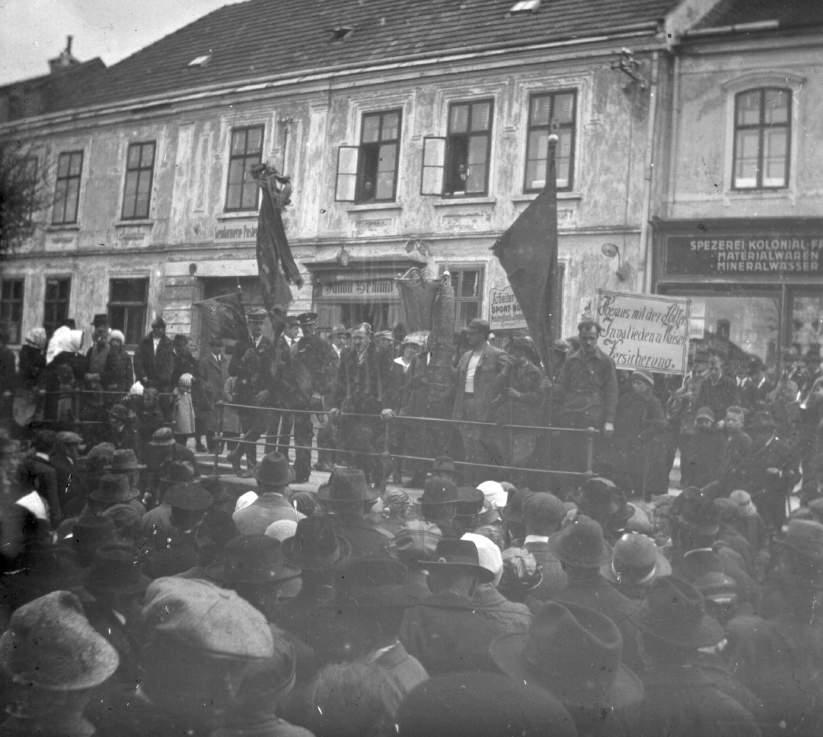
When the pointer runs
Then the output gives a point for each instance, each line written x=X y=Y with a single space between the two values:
x=224 y=317
x=528 y=253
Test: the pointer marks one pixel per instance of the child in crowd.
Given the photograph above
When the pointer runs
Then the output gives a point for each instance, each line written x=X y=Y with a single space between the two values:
x=183 y=409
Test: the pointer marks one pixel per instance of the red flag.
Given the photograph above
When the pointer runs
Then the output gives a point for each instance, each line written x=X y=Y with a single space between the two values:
x=224 y=317
x=528 y=253
x=275 y=263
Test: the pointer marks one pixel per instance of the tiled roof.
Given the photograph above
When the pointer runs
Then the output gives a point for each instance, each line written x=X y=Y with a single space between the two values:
x=262 y=38
x=788 y=13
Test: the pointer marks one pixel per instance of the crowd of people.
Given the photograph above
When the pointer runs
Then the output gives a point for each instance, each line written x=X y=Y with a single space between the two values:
x=541 y=582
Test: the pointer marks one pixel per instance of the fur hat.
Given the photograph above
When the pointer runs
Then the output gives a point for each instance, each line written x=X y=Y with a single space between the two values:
x=117 y=335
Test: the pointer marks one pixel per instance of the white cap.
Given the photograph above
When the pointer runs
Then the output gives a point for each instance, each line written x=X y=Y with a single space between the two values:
x=244 y=500
x=282 y=529
x=496 y=496
x=489 y=555
x=136 y=389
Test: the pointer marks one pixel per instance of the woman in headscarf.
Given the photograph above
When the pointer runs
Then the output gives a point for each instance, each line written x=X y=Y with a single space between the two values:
x=118 y=373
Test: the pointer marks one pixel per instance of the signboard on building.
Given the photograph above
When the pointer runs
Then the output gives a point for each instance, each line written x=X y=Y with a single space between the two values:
x=357 y=289
x=236 y=232
x=743 y=255
x=504 y=310
x=644 y=331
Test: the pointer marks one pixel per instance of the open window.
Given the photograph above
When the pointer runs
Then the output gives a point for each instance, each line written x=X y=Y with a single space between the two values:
x=368 y=172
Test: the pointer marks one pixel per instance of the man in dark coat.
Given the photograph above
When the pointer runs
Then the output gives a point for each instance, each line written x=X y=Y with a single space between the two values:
x=36 y=473
x=543 y=514
x=213 y=370
x=99 y=351
x=701 y=452
x=154 y=358
x=718 y=391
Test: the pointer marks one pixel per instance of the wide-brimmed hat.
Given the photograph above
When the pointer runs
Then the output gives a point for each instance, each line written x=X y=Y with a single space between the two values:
x=417 y=542
x=125 y=461
x=113 y=489
x=581 y=544
x=635 y=555
x=674 y=611
x=316 y=546
x=273 y=470
x=51 y=645
x=439 y=490
x=89 y=532
x=451 y=553
x=162 y=436
x=189 y=496
x=347 y=486
x=574 y=652
x=116 y=568
x=255 y=559
x=804 y=537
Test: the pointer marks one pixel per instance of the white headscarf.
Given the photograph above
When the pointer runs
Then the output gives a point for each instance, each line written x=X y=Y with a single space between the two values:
x=64 y=340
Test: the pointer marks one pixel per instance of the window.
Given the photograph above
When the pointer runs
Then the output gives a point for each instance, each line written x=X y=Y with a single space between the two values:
x=552 y=112
x=11 y=307
x=468 y=292
x=459 y=163
x=762 y=136
x=139 y=170
x=56 y=308
x=246 y=151
x=368 y=172
x=67 y=190
x=128 y=299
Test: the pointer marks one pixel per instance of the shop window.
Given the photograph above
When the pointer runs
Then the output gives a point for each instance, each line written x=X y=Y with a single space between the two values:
x=551 y=112
x=762 y=138
x=11 y=308
x=128 y=300
x=468 y=293
x=245 y=152
x=67 y=188
x=56 y=304
x=458 y=164
x=368 y=172
x=139 y=173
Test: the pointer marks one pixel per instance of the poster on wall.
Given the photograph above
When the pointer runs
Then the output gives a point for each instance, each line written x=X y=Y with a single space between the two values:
x=504 y=310
x=644 y=331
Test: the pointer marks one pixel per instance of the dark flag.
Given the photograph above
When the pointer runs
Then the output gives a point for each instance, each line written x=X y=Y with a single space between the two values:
x=417 y=297
x=528 y=253
x=223 y=316
x=275 y=263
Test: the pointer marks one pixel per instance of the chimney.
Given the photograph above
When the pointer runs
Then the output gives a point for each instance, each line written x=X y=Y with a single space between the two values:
x=64 y=60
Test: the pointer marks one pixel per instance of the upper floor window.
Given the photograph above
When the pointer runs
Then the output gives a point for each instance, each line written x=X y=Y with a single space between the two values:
x=11 y=307
x=128 y=303
x=368 y=172
x=139 y=172
x=468 y=294
x=67 y=189
x=551 y=112
x=246 y=151
x=56 y=303
x=762 y=138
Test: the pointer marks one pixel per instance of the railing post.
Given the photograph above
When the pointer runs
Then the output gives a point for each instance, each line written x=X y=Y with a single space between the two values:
x=590 y=450
x=217 y=443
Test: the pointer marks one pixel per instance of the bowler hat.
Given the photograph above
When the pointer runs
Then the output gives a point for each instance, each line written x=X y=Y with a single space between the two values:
x=545 y=510
x=307 y=318
x=416 y=542
x=162 y=436
x=273 y=470
x=458 y=554
x=347 y=486
x=637 y=556
x=439 y=490
x=114 y=489
x=125 y=461
x=51 y=645
x=189 y=496
x=581 y=544
x=574 y=652
x=100 y=320
x=116 y=568
x=482 y=705
x=804 y=537
x=674 y=612
x=255 y=559
x=205 y=617
x=315 y=545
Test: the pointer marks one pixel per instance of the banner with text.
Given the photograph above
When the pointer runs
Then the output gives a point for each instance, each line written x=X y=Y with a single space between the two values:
x=644 y=331
x=504 y=310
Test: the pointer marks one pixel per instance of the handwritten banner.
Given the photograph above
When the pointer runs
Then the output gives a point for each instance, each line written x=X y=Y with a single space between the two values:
x=644 y=331
x=504 y=310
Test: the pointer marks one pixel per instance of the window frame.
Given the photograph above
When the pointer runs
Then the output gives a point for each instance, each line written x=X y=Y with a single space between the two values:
x=62 y=199
x=11 y=306
x=451 y=137
x=761 y=126
x=550 y=128
x=52 y=304
x=139 y=171
x=457 y=273
x=377 y=145
x=248 y=160
x=129 y=307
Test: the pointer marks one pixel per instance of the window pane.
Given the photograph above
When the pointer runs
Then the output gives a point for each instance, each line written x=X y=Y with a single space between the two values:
x=249 y=198
x=71 y=200
x=774 y=157
x=76 y=164
x=128 y=290
x=540 y=110
x=60 y=201
x=748 y=108
x=63 y=165
x=385 y=171
x=371 y=128
x=238 y=142
x=746 y=164
x=459 y=119
x=777 y=106
x=147 y=159
x=564 y=108
x=391 y=127
x=254 y=140
x=481 y=116
x=133 y=158
x=536 y=159
x=469 y=282
x=476 y=181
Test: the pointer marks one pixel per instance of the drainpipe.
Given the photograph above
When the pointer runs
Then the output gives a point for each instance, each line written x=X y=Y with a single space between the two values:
x=645 y=229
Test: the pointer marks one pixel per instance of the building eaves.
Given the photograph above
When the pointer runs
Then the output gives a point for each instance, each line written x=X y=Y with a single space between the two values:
x=746 y=15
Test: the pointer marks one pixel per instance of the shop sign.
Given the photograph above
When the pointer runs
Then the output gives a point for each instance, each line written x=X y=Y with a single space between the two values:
x=735 y=255
x=644 y=331
x=358 y=288
x=238 y=232
x=504 y=310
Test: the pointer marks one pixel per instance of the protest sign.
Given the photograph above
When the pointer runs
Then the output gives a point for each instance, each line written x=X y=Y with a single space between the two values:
x=644 y=331
x=504 y=311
